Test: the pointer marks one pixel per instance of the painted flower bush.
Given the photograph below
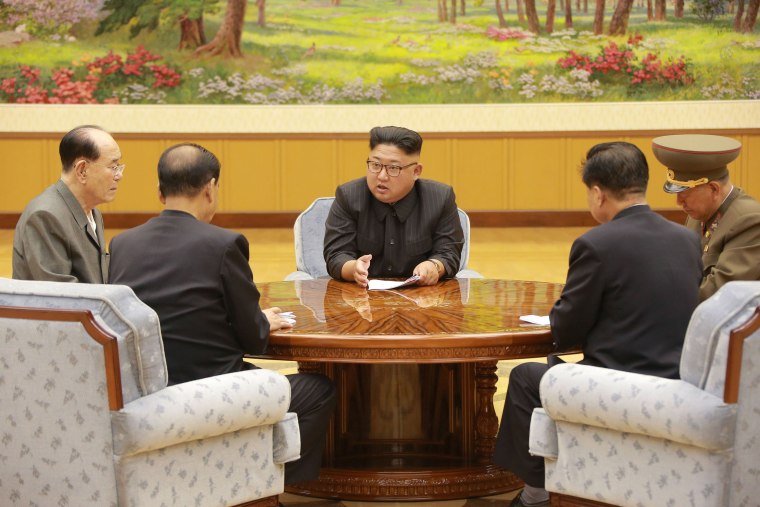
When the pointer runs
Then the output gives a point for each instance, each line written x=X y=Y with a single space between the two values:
x=615 y=61
x=101 y=80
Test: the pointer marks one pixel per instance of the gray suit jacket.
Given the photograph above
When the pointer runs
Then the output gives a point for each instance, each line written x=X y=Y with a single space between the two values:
x=54 y=243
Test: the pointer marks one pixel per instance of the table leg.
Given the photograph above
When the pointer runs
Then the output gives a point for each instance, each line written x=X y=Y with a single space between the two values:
x=486 y=421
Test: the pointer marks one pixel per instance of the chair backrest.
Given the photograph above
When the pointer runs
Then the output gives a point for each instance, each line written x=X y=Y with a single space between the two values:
x=309 y=234
x=136 y=325
x=704 y=359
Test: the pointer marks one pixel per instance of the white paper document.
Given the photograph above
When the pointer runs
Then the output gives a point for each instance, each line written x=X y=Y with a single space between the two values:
x=539 y=320
x=378 y=284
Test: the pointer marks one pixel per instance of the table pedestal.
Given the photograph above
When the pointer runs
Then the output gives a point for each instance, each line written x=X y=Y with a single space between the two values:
x=410 y=432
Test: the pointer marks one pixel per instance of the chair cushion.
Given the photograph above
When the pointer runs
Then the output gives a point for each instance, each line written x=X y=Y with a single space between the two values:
x=705 y=350
x=141 y=350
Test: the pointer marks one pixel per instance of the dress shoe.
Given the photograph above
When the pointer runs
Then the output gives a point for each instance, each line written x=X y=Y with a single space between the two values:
x=517 y=502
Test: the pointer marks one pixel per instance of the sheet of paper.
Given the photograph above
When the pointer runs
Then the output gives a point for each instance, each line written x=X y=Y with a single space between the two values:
x=379 y=284
x=540 y=320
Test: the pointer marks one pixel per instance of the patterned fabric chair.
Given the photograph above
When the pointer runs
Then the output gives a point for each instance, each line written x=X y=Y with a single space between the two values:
x=88 y=419
x=634 y=440
x=309 y=233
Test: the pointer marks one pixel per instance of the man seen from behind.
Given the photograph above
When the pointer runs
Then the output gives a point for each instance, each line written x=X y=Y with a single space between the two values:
x=632 y=285
x=197 y=278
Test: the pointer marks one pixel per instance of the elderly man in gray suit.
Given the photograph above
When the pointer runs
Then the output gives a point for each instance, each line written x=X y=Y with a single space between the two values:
x=392 y=223
x=59 y=236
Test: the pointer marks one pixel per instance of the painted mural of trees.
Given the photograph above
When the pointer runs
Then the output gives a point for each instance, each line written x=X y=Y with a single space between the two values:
x=619 y=21
x=530 y=10
x=500 y=14
x=750 y=19
x=261 y=18
x=599 y=17
x=142 y=15
x=551 y=8
x=568 y=14
x=226 y=42
x=446 y=13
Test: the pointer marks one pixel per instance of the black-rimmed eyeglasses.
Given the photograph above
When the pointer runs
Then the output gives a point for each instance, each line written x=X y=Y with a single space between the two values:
x=392 y=170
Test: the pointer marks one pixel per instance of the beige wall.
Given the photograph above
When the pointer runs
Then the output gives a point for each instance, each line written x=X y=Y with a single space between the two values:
x=497 y=157
x=506 y=172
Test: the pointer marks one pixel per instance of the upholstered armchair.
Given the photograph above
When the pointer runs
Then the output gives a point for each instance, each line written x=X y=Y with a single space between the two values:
x=309 y=234
x=88 y=419
x=634 y=440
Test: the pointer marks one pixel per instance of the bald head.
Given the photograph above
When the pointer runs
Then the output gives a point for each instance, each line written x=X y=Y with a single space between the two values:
x=184 y=169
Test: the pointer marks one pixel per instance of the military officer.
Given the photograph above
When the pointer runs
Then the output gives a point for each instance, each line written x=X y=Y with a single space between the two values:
x=726 y=218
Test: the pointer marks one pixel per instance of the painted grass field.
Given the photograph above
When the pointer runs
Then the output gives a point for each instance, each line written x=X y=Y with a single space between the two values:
x=377 y=51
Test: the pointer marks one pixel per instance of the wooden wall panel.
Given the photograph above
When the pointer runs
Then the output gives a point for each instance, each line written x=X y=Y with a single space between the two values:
x=270 y=173
x=436 y=159
x=308 y=170
x=480 y=176
x=250 y=179
x=352 y=164
x=25 y=169
x=749 y=163
x=537 y=175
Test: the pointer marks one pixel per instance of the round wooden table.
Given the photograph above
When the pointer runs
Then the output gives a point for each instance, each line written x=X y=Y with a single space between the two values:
x=415 y=370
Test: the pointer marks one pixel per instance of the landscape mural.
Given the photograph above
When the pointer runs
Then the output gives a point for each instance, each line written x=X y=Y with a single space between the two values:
x=377 y=51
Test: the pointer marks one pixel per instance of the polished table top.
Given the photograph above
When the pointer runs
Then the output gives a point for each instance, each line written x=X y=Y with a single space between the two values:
x=457 y=320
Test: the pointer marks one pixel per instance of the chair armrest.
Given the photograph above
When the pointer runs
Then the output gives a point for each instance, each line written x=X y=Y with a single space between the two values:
x=468 y=273
x=286 y=439
x=298 y=275
x=200 y=409
x=642 y=404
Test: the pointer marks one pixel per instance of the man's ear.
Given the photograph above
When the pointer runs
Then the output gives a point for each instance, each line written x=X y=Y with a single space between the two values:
x=209 y=190
x=417 y=171
x=160 y=195
x=80 y=170
x=598 y=196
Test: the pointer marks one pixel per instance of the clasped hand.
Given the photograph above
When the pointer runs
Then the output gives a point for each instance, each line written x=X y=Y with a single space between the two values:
x=426 y=270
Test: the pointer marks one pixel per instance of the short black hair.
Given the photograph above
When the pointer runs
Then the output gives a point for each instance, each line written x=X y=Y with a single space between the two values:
x=618 y=167
x=78 y=143
x=406 y=140
x=184 y=169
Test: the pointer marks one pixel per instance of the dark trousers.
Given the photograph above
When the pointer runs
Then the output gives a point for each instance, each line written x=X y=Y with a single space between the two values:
x=312 y=398
x=512 y=440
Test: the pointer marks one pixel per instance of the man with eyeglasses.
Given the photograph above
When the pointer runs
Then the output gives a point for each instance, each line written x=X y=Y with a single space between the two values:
x=391 y=223
x=59 y=236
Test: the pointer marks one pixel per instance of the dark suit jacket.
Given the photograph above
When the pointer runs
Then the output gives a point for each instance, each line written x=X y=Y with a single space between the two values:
x=197 y=278
x=631 y=288
x=424 y=224
x=53 y=240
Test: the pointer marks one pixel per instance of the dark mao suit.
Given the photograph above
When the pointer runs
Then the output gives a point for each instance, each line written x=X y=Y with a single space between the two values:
x=197 y=278
x=631 y=288
x=424 y=224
